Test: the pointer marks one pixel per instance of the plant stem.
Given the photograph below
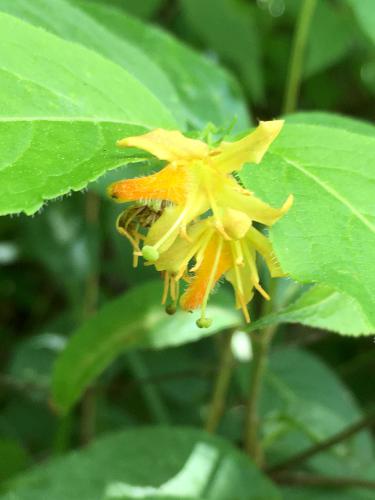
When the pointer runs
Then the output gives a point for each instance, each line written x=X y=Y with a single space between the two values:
x=150 y=393
x=222 y=381
x=298 y=51
x=260 y=343
x=325 y=481
x=323 y=445
x=89 y=306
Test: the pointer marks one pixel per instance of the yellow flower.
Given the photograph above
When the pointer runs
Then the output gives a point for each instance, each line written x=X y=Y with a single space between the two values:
x=197 y=179
x=195 y=220
x=213 y=256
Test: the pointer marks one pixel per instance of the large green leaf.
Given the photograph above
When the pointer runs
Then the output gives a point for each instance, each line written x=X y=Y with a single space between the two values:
x=149 y=463
x=135 y=7
x=74 y=25
x=207 y=92
x=322 y=307
x=229 y=28
x=134 y=320
x=62 y=107
x=328 y=236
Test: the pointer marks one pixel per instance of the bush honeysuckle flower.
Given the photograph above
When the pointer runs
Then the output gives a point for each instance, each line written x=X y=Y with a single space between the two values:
x=194 y=219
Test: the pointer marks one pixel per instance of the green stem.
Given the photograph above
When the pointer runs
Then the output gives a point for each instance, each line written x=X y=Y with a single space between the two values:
x=89 y=306
x=297 y=56
x=219 y=395
x=260 y=341
x=150 y=393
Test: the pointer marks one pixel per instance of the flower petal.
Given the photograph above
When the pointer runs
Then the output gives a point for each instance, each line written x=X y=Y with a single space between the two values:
x=263 y=246
x=195 y=294
x=250 y=149
x=182 y=251
x=168 y=184
x=167 y=145
x=253 y=207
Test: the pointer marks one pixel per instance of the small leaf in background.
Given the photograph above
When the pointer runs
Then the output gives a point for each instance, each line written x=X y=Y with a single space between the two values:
x=322 y=307
x=216 y=22
x=64 y=136
x=207 y=92
x=304 y=402
x=365 y=13
x=325 y=50
x=135 y=320
x=182 y=463
x=328 y=236
x=13 y=459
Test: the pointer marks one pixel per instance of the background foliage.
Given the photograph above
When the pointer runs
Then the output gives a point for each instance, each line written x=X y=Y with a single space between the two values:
x=87 y=352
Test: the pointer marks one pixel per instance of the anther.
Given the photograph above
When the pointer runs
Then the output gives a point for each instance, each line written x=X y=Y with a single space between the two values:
x=203 y=322
x=170 y=309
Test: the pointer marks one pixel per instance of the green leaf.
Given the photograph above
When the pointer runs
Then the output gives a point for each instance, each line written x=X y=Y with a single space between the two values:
x=149 y=463
x=134 y=320
x=365 y=13
x=324 y=50
x=207 y=92
x=328 y=236
x=332 y=120
x=144 y=10
x=304 y=402
x=70 y=23
x=322 y=307
x=229 y=28
x=62 y=107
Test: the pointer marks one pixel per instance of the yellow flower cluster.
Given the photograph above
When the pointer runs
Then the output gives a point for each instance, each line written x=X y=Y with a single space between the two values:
x=194 y=222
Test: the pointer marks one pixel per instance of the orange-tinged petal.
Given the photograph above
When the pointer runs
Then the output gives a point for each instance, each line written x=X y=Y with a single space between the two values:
x=167 y=145
x=169 y=184
x=249 y=149
x=196 y=292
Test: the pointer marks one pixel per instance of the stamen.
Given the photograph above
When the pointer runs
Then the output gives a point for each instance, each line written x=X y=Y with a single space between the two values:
x=166 y=287
x=172 y=228
x=254 y=273
x=238 y=253
x=200 y=255
x=215 y=210
x=239 y=287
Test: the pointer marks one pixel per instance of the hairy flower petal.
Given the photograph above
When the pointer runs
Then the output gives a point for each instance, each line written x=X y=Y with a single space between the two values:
x=250 y=149
x=169 y=184
x=168 y=145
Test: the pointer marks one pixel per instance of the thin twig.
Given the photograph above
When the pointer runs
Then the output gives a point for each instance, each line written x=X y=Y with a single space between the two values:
x=222 y=381
x=327 y=481
x=323 y=445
